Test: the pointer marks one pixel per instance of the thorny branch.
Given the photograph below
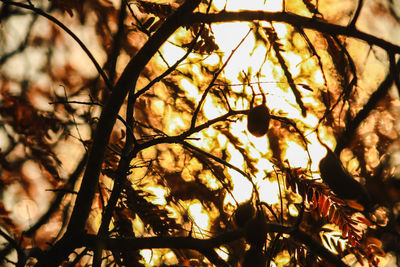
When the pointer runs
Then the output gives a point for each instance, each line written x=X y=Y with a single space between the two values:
x=296 y=21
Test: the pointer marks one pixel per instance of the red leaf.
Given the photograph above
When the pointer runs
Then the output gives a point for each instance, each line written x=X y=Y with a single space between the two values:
x=325 y=208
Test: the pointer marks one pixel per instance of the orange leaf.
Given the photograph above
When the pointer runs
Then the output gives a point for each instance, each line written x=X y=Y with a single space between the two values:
x=364 y=220
x=325 y=208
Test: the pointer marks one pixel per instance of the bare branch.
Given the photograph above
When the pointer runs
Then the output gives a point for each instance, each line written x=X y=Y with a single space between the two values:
x=353 y=21
x=374 y=99
x=204 y=245
x=296 y=21
x=103 y=130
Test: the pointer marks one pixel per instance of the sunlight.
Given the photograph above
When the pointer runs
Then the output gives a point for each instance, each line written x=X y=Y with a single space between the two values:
x=200 y=217
x=147 y=255
x=175 y=123
x=211 y=109
x=251 y=59
x=296 y=154
x=333 y=236
x=236 y=5
x=293 y=211
x=156 y=257
x=282 y=259
x=317 y=151
x=222 y=252
x=159 y=193
x=269 y=192
x=171 y=52
x=242 y=188
x=113 y=138
x=261 y=144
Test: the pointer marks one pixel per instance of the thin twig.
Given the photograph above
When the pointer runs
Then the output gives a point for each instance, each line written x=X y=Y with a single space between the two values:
x=91 y=103
x=274 y=41
x=13 y=243
x=203 y=97
x=127 y=81
x=172 y=68
x=353 y=21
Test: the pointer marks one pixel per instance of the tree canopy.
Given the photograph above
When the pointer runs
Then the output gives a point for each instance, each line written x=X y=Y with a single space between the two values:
x=199 y=133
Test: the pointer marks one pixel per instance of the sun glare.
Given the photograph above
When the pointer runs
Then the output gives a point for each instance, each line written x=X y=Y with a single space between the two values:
x=223 y=253
x=200 y=217
x=237 y=5
x=259 y=64
x=296 y=154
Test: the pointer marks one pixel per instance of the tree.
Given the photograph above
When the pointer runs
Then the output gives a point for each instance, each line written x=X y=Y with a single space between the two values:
x=124 y=133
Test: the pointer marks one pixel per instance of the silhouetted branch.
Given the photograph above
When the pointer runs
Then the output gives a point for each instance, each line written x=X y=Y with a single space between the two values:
x=20 y=253
x=356 y=14
x=273 y=39
x=351 y=127
x=294 y=20
x=215 y=76
x=204 y=245
x=55 y=204
x=111 y=63
x=103 y=131
x=313 y=52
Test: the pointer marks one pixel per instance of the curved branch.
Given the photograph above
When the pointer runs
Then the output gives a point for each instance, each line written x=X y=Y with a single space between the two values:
x=294 y=20
x=68 y=31
x=127 y=81
x=351 y=127
x=205 y=245
x=55 y=204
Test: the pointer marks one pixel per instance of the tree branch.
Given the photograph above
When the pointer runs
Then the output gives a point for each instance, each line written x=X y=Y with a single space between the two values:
x=351 y=127
x=55 y=204
x=356 y=14
x=103 y=131
x=20 y=253
x=204 y=245
x=294 y=20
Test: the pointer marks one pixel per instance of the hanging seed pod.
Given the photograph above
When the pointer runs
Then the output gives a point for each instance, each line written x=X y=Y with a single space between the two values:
x=258 y=120
x=244 y=213
x=341 y=181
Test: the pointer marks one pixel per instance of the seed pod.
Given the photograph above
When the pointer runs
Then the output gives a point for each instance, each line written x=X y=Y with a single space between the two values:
x=258 y=120
x=254 y=258
x=341 y=181
x=244 y=213
x=256 y=231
